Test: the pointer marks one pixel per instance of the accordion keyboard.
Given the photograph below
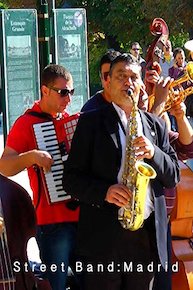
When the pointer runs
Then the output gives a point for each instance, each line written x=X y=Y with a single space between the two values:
x=46 y=139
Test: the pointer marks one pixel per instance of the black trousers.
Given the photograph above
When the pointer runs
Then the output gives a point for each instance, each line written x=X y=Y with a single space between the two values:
x=163 y=279
x=130 y=263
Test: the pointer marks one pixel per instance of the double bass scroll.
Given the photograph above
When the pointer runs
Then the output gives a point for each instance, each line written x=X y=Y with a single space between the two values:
x=155 y=50
x=160 y=30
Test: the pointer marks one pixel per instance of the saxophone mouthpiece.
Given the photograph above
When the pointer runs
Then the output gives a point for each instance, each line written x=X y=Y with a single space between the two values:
x=130 y=92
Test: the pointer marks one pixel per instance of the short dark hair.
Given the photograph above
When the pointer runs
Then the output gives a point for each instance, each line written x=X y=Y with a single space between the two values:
x=135 y=43
x=177 y=50
x=125 y=57
x=52 y=72
x=108 y=57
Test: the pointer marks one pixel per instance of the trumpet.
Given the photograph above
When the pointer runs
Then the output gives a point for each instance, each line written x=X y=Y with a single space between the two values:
x=173 y=95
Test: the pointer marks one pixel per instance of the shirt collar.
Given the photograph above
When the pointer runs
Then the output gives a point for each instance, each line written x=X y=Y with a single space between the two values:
x=121 y=114
x=58 y=116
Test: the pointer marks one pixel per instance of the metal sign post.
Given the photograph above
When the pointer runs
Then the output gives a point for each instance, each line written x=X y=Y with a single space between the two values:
x=43 y=33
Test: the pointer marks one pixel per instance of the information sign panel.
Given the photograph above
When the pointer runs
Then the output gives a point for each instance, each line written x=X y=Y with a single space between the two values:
x=70 y=41
x=20 y=62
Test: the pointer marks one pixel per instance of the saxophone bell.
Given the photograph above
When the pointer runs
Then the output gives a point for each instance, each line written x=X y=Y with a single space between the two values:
x=132 y=216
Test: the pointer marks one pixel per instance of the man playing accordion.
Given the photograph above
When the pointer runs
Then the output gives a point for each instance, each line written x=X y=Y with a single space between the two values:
x=56 y=222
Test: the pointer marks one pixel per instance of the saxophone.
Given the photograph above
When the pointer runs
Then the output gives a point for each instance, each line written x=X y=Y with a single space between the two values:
x=136 y=176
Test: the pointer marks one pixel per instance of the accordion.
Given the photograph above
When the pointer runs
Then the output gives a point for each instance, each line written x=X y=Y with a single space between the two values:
x=46 y=140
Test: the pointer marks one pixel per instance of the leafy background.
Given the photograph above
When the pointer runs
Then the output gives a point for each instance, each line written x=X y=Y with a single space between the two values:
x=117 y=23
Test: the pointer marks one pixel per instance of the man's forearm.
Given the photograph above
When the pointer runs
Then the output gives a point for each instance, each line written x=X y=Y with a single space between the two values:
x=13 y=164
x=185 y=131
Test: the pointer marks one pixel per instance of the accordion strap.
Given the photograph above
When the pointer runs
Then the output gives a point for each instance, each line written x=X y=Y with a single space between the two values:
x=44 y=116
x=41 y=115
x=37 y=170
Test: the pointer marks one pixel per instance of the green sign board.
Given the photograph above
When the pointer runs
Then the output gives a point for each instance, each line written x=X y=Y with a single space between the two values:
x=70 y=41
x=20 y=62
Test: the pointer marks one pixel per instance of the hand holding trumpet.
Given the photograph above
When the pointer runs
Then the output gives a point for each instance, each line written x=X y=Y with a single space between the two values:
x=173 y=96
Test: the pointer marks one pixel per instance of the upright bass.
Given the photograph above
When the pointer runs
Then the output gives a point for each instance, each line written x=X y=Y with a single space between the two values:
x=17 y=226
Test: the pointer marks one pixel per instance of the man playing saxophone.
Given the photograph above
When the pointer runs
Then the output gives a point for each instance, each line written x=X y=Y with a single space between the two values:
x=113 y=257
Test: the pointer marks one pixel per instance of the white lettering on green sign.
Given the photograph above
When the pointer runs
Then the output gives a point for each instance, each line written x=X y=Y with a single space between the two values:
x=18 y=26
x=67 y=28
x=67 y=16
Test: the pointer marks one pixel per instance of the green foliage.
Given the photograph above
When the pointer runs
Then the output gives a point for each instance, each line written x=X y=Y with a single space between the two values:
x=3 y=5
x=117 y=23
x=96 y=50
x=124 y=21
x=179 y=39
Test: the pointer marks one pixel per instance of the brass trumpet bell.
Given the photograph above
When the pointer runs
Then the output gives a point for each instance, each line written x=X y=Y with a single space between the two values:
x=188 y=76
x=173 y=95
x=181 y=95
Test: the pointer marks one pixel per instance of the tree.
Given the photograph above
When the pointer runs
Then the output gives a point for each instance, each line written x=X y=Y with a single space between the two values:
x=3 y=5
x=117 y=23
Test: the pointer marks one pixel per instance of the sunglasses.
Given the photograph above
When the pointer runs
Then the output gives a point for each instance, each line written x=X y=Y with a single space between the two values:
x=135 y=49
x=62 y=92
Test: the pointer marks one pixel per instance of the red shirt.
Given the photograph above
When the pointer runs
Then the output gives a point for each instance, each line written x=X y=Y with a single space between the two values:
x=21 y=139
